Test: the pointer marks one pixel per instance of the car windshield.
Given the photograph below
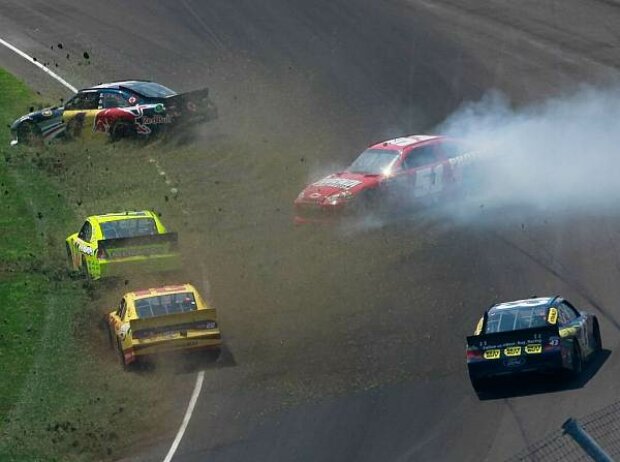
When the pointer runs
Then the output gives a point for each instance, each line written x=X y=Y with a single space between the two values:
x=162 y=305
x=509 y=319
x=131 y=227
x=151 y=89
x=374 y=161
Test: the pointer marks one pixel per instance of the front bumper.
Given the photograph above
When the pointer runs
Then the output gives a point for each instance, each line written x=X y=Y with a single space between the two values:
x=312 y=212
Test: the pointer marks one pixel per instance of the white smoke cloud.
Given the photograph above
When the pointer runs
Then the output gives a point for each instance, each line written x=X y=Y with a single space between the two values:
x=563 y=152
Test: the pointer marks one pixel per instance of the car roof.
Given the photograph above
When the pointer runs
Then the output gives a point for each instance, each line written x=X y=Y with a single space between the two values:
x=164 y=290
x=533 y=302
x=118 y=84
x=404 y=141
x=117 y=216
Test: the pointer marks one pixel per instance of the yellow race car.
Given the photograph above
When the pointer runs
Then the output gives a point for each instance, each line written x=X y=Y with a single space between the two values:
x=118 y=244
x=163 y=319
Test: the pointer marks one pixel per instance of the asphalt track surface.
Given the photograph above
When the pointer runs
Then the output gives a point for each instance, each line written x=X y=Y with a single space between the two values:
x=353 y=72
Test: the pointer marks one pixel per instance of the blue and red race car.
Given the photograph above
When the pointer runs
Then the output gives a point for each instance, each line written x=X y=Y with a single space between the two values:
x=117 y=110
x=534 y=335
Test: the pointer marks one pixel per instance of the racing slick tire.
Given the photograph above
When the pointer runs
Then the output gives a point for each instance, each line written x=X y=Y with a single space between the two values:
x=576 y=361
x=69 y=257
x=121 y=129
x=121 y=356
x=596 y=334
x=84 y=269
x=111 y=336
x=29 y=134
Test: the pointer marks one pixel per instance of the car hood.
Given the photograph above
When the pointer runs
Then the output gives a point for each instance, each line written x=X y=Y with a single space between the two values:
x=38 y=116
x=335 y=183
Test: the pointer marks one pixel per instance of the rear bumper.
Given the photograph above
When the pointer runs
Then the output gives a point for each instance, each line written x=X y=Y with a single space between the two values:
x=544 y=362
x=210 y=341
x=140 y=264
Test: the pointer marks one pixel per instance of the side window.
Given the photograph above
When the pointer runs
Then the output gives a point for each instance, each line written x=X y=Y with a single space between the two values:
x=421 y=156
x=571 y=312
x=113 y=99
x=83 y=101
x=122 y=309
x=451 y=149
x=567 y=313
x=86 y=232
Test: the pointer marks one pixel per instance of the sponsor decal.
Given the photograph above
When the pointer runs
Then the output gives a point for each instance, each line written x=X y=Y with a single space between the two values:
x=86 y=249
x=191 y=106
x=132 y=100
x=341 y=183
x=533 y=349
x=315 y=195
x=122 y=333
x=156 y=119
x=552 y=318
x=491 y=354
x=159 y=108
x=47 y=113
x=512 y=351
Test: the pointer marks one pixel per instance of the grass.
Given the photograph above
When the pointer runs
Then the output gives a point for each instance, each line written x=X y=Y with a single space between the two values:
x=63 y=395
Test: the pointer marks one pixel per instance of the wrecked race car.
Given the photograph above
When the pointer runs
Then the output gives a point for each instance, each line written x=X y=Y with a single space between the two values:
x=124 y=109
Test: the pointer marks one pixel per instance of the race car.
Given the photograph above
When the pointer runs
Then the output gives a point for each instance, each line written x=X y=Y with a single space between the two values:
x=118 y=244
x=170 y=318
x=129 y=108
x=545 y=334
x=397 y=172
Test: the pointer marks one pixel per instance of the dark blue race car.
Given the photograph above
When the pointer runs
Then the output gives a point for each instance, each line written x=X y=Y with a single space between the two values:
x=128 y=108
x=538 y=334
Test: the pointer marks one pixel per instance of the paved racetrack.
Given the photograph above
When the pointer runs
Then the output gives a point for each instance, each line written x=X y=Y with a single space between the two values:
x=366 y=331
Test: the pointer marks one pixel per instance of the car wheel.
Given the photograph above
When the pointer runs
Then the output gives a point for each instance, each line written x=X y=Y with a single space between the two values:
x=596 y=334
x=84 y=269
x=576 y=360
x=121 y=129
x=121 y=355
x=111 y=336
x=69 y=257
x=29 y=134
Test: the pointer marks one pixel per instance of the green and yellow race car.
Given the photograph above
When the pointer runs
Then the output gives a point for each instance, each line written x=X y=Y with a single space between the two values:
x=119 y=244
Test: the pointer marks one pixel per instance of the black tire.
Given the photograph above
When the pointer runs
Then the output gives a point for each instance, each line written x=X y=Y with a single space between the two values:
x=111 y=336
x=596 y=334
x=121 y=129
x=576 y=360
x=29 y=134
x=84 y=269
x=69 y=257
x=121 y=356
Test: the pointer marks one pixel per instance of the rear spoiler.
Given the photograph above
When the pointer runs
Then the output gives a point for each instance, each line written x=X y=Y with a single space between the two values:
x=171 y=320
x=120 y=242
x=196 y=101
x=516 y=337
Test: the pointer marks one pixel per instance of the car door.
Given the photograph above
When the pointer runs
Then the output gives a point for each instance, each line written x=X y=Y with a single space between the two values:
x=79 y=114
x=423 y=171
x=84 y=249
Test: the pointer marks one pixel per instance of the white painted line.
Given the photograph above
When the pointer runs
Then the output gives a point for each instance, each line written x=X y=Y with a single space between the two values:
x=188 y=416
x=39 y=65
x=201 y=375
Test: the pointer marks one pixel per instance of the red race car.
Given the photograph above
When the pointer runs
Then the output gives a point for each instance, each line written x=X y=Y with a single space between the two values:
x=397 y=172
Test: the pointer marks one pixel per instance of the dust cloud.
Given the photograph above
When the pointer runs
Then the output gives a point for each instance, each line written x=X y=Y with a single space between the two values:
x=563 y=153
